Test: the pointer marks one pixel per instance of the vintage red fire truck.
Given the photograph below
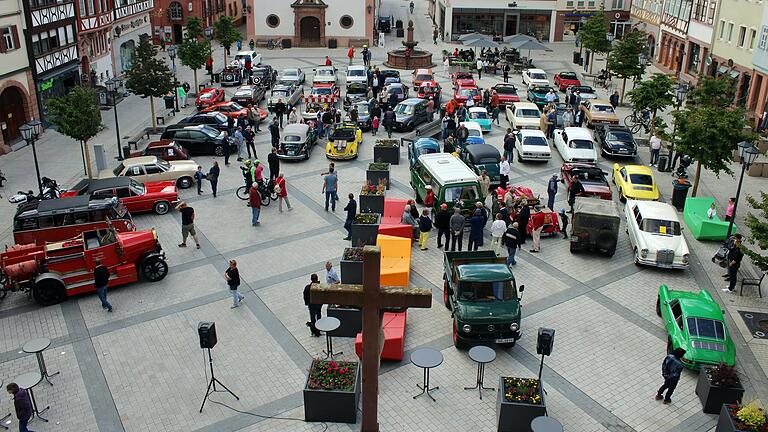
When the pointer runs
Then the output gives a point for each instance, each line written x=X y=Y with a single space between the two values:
x=54 y=271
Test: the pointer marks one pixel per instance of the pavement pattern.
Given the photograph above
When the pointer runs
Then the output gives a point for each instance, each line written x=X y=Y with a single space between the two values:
x=140 y=368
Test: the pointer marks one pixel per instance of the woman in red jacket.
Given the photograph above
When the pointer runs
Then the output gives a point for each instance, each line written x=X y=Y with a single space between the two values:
x=282 y=193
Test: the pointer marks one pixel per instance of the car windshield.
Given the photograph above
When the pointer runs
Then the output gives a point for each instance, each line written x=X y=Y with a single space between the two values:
x=234 y=106
x=290 y=72
x=535 y=140
x=619 y=136
x=425 y=150
x=568 y=75
x=395 y=90
x=207 y=95
x=540 y=89
x=527 y=113
x=362 y=109
x=404 y=109
x=325 y=72
x=487 y=291
x=582 y=89
x=665 y=227
x=474 y=132
x=580 y=144
x=164 y=164
x=506 y=90
x=356 y=72
x=279 y=93
x=244 y=92
x=345 y=134
x=243 y=57
x=423 y=77
x=118 y=170
x=357 y=90
x=641 y=179
x=706 y=328
x=461 y=193
x=537 y=75
x=291 y=138
x=604 y=109
x=468 y=92
x=260 y=72
x=390 y=80
x=209 y=131
x=321 y=90
x=478 y=115
x=488 y=160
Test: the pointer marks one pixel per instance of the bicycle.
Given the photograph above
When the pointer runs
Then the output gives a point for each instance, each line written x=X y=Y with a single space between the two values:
x=635 y=121
x=274 y=44
x=267 y=193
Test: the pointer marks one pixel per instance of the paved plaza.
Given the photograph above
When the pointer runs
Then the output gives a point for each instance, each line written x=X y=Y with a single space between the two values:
x=140 y=368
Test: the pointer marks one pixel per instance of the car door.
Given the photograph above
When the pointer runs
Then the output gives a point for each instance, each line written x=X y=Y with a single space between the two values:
x=674 y=325
x=624 y=178
x=634 y=222
x=154 y=173
x=195 y=142
x=560 y=140
x=182 y=138
x=133 y=203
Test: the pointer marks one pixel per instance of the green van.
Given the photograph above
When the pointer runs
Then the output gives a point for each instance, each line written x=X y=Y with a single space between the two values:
x=452 y=181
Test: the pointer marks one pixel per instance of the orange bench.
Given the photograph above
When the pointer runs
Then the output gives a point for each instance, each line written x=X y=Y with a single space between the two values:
x=393 y=215
x=393 y=325
x=395 y=260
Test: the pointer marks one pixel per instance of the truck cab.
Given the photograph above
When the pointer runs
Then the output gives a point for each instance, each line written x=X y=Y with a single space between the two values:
x=482 y=293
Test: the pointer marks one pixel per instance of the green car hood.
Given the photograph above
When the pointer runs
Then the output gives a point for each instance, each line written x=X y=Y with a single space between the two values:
x=483 y=272
x=488 y=312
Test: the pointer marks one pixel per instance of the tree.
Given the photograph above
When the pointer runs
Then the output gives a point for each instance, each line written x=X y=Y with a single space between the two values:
x=758 y=231
x=712 y=91
x=226 y=33
x=709 y=135
x=149 y=77
x=194 y=52
x=624 y=59
x=592 y=36
x=77 y=116
x=654 y=94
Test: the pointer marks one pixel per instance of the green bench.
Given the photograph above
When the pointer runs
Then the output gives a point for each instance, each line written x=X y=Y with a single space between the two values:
x=701 y=226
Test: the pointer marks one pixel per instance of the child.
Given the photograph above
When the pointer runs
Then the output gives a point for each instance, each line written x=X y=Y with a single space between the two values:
x=374 y=125
x=564 y=223
x=712 y=212
x=199 y=176
x=425 y=226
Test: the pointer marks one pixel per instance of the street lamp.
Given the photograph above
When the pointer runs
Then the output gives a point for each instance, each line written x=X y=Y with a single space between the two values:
x=747 y=155
x=680 y=93
x=113 y=84
x=172 y=55
x=209 y=35
x=30 y=132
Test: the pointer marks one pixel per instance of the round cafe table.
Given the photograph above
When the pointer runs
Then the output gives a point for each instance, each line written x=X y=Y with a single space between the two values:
x=28 y=381
x=482 y=355
x=36 y=347
x=546 y=424
x=426 y=358
x=327 y=325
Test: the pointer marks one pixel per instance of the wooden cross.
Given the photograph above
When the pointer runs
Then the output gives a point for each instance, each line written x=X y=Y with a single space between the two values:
x=373 y=299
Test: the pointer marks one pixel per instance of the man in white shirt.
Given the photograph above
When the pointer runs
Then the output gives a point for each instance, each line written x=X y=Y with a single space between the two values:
x=498 y=228
x=479 y=68
x=331 y=277
x=655 y=143
x=504 y=171
x=551 y=96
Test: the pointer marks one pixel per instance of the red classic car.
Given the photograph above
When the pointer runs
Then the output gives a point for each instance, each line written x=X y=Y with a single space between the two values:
x=592 y=178
x=137 y=197
x=209 y=96
x=163 y=149
x=429 y=88
x=462 y=78
x=462 y=93
x=234 y=109
x=565 y=79
x=422 y=75
x=507 y=94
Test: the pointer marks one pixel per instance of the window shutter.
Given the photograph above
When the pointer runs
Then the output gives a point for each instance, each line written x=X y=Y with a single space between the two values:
x=3 y=48
x=15 y=34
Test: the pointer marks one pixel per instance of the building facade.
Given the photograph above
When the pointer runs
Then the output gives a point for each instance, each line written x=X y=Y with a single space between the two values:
x=757 y=100
x=94 y=25
x=51 y=35
x=170 y=16
x=18 y=99
x=131 y=20
x=646 y=16
x=313 y=22
x=675 y=20
x=699 y=40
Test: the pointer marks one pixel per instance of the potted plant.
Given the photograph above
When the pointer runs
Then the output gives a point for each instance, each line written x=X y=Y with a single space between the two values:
x=520 y=401
x=332 y=392
x=377 y=173
x=352 y=265
x=365 y=228
x=372 y=197
x=747 y=418
x=718 y=385
x=387 y=150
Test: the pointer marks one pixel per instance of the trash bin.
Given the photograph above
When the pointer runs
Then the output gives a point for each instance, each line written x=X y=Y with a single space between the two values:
x=126 y=151
x=399 y=24
x=680 y=193
x=662 y=163
x=217 y=77
x=169 y=100
x=286 y=43
x=576 y=57
x=400 y=32
x=332 y=43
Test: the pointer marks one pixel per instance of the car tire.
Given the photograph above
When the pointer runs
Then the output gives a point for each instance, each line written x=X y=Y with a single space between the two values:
x=622 y=198
x=456 y=341
x=218 y=150
x=446 y=299
x=610 y=252
x=670 y=345
x=573 y=248
x=184 y=182
x=153 y=269
x=658 y=306
x=637 y=257
x=48 y=292
x=161 y=207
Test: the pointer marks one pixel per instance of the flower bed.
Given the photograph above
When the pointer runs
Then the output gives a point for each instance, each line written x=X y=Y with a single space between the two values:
x=378 y=174
x=520 y=400
x=352 y=266
x=748 y=418
x=332 y=392
x=372 y=197
x=365 y=228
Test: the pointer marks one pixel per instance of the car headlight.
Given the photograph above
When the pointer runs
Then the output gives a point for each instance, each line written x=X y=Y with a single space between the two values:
x=644 y=253
x=685 y=259
x=514 y=326
x=466 y=328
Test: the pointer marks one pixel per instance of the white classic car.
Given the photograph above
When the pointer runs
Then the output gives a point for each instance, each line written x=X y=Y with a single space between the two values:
x=575 y=144
x=655 y=234
x=523 y=115
x=532 y=144
x=325 y=74
x=535 y=77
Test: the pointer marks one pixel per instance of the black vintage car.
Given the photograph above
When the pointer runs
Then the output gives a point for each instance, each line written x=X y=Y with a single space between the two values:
x=200 y=139
x=483 y=157
x=384 y=24
x=356 y=92
x=248 y=95
x=595 y=226
x=214 y=119
x=615 y=140
x=232 y=75
x=263 y=76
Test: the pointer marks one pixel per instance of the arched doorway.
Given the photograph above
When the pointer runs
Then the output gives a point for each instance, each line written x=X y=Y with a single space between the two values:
x=309 y=29
x=651 y=47
x=12 y=102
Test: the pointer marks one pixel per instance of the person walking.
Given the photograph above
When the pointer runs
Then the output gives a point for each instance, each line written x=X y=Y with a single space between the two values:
x=512 y=242
x=282 y=193
x=614 y=99
x=435 y=34
x=351 y=210
x=239 y=141
x=462 y=133
x=274 y=131
x=498 y=228
x=446 y=66
x=274 y=164
x=331 y=277
x=538 y=226
x=430 y=109
x=101 y=282
x=575 y=190
x=213 y=177
x=425 y=226
x=328 y=61
x=552 y=191
x=523 y=216
x=187 y=224
x=568 y=118
x=330 y=186
x=443 y=225
x=485 y=184
x=735 y=255
x=456 y=224
x=315 y=310
x=374 y=126
x=509 y=145
x=504 y=170
x=199 y=177
x=564 y=223
x=254 y=202
x=479 y=67
x=279 y=110
x=506 y=73
x=249 y=136
x=232 y=276
x=256 y=118
x=389 y=121
x=671 y=368
x=293 y=117
x=351 y=54
x=655 y=143
x=475 y=231
x=22 y=403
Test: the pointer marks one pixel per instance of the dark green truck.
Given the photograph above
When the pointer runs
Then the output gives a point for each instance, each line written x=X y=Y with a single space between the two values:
x=481 y=291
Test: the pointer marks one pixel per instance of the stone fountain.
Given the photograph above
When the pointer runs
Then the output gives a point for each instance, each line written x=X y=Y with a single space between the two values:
x=409 y=57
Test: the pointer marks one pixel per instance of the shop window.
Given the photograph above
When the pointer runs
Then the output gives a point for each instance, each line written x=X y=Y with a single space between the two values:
x=175 y=11
x=346 y=21
x=273 y=20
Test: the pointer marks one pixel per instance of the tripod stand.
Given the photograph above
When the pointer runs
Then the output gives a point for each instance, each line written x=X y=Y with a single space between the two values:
x=212 y=384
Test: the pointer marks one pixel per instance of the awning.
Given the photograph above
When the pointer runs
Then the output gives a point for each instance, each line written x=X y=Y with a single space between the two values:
x=735 y=74
x=722 y=69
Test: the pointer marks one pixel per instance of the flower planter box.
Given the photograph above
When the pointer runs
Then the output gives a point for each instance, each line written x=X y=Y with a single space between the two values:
x=375 y=176
x=365 y=234
x=387 y=153
x=351 y=320
x=372 y=204
x=516 y=416
x=351 y=271
x=337 y=406
x=713 y=397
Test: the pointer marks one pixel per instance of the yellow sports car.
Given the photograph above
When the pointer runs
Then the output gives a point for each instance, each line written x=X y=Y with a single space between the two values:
x=343 y=141
x=635 y=182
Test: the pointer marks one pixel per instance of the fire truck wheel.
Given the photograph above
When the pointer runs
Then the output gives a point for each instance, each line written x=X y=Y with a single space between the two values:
x=154 y=269
x=49 y=292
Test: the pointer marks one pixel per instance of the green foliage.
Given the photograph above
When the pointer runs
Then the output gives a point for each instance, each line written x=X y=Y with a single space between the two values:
x=654 y=94
x=194 y=27
x=193 y=53
x=225 y=32
x=752 y=415
x=149 y=76
x=757 y=240
x=624 y=59
x=712 y=91
x=77 y=113
x=592 y=34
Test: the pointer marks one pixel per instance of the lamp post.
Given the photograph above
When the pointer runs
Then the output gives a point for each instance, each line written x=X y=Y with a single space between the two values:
x=680 y=92
x=172 y=55
x=747 y=155
x=209 y=35
x=30 y=131
x=113 y=84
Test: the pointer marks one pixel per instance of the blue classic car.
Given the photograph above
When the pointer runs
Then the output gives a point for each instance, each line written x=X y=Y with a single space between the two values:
x=480 y=116
x=421 y=146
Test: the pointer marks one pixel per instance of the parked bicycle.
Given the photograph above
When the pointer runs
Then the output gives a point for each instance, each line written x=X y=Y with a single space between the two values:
x=274 y=44
x=638 y=120
x=267 y=192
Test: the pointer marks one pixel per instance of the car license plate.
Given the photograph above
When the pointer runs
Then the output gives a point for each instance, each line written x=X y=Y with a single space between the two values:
x=291 y=153
x=508 y=340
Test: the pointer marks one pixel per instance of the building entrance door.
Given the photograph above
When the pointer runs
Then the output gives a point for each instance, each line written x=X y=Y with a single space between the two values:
x=309 y=29
x=11 y=113
x=511 y=25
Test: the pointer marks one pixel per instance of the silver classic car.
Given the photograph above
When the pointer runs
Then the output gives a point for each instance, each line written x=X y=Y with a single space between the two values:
x=289 y=94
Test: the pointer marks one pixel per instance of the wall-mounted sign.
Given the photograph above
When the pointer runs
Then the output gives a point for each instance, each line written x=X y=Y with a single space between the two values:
x=579 y=14
x=45 y=85
x=128 y=26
